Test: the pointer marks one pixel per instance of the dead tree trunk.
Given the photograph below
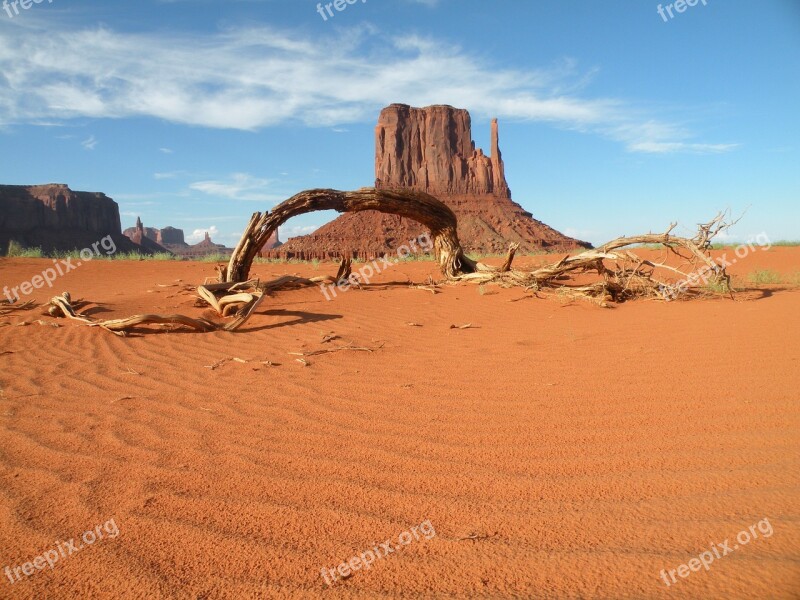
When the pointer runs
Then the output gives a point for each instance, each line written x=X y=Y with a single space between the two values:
x=421 y=207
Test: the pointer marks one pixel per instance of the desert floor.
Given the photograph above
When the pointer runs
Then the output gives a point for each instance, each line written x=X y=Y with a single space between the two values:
x=555 y=449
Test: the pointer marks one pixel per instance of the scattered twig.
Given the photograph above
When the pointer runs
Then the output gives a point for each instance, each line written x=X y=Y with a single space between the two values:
x=217 y=364
x=37 y=321
x=337 y=349
x=433 y=289
x=473 y=537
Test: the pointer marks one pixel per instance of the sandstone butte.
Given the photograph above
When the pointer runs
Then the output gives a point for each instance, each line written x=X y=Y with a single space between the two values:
x=431 y=150
x=54 y=217
x=171 y=239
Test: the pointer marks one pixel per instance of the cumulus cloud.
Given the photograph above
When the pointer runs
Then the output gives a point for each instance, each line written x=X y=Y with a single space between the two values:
x=256 y=77
x=198 y=235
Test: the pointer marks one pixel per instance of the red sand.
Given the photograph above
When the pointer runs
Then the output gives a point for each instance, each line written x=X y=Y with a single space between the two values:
x=559 y=449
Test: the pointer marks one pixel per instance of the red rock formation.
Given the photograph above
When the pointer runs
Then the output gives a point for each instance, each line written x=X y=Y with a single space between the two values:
x=53 y=217
x=168 y=238
x=272 y=244
x=431 y=150
x=145 y=237
x=204 y=248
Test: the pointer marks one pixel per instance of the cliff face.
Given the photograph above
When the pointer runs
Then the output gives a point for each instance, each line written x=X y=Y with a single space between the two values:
x=170 y=236
x=431 y=150
x=54 y=217
x=56 y=206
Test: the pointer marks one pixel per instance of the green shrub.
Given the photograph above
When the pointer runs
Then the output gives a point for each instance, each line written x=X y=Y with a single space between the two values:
x=16 y=250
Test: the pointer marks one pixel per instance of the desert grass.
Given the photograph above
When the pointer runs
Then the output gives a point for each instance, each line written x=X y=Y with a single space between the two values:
x=15 y=250
x=764 y=276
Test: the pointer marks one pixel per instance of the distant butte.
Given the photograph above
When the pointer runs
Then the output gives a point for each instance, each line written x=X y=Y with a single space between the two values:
x=431 y=150
x=171 y=239
x=55 y=218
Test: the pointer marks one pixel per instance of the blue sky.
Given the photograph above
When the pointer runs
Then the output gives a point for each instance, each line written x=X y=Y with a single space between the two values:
x=196 y=113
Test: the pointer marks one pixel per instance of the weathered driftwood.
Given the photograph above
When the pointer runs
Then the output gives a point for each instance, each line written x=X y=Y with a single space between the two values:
x=433 y=214
x=623 y=274
x=9 y=306
x=242 y=304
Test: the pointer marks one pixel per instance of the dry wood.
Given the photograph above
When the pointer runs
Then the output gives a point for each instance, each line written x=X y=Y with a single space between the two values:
x=512 y=250
x=8 y=306
x=337 y=349
x=345 y=269
x=424 y=208
x=622 y=274
x=61 y=306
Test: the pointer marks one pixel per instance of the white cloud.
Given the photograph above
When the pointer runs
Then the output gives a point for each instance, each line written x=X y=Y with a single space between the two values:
x=89 y=143
x=284 y=233
x=251 y=78
x=668 y=147
x=240 y=186
x=166 y=150
x=580 y=234
x=198 y=235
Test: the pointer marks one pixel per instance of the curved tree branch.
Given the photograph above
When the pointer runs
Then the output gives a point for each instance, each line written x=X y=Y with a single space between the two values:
x=419 y=206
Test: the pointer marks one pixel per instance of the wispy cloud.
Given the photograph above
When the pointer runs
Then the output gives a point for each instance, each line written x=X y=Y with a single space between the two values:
x=239 y=186
x=89 y=143
x=170 y=174
x=166 y=150
x=251 y=78
x=669 y=147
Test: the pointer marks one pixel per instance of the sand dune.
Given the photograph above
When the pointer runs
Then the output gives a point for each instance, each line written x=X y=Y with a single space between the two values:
x=558 y=449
